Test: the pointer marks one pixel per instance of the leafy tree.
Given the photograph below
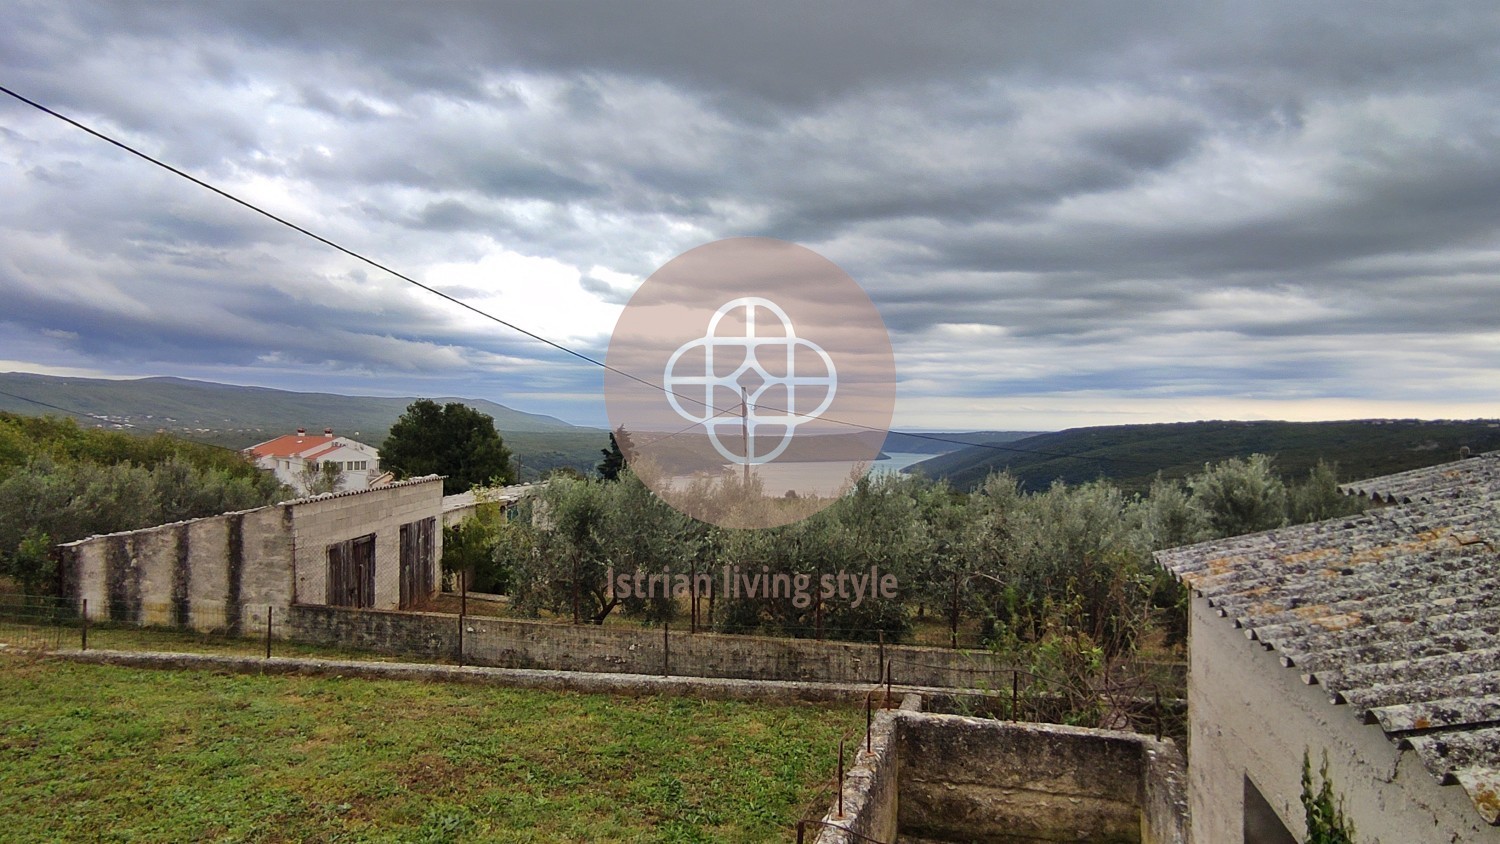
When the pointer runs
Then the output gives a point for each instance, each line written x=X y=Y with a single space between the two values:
x=644 y=532
x=568 y=537
x=68 y=501
x=321 y=478
x=1240 y=496
x=27 y=438
x=1170 y=517
x=453 y=440
x=614 y=457
x=942 y=571
x=1318 y=497
x=563 y=558
x=65 y=501
x=473 y=546
x=32 y=565
x=60 y=483
x=1079 y=544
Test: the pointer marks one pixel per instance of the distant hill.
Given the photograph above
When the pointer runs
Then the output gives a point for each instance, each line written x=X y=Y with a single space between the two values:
x=923 y=442
x=237 y=417
x=1131 y=455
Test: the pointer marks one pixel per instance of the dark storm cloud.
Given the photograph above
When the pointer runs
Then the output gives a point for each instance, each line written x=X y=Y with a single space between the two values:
x=1267 y=199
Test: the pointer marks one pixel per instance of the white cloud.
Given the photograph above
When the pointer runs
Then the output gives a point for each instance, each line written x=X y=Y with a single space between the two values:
x=1062 y=215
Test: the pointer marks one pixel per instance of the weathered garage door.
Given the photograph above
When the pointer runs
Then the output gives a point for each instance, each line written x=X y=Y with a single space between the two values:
x=351 y=572
x=417 y=551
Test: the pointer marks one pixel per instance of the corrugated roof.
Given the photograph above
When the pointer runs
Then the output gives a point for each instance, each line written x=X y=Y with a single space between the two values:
x=1480 y=472
x=500 y=495
x=1394 y=612
x=423 y=479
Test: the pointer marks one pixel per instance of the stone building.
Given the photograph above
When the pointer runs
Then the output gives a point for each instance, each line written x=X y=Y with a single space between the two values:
x=371 y=549
x=1374 y=639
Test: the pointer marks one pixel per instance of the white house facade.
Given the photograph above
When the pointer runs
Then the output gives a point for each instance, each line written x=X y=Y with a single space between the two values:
x=295 y=457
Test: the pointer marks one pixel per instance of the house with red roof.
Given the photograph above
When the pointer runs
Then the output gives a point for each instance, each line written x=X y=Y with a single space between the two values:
x=296 y=458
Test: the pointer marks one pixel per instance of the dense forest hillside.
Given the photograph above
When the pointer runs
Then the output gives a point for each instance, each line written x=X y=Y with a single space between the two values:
x=237 y=417
x=1131 y=455
x=231 y=415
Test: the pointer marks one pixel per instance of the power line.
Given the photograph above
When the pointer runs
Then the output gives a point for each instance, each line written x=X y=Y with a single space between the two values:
x=82 y=413
x=485 y=314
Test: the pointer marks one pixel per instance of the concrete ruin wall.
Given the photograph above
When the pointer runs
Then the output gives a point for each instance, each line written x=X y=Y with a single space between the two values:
x=1252 y=718
x=221 y=573
x=508 y=643
x=952 y=778
x=218 y=573
x=970 y=779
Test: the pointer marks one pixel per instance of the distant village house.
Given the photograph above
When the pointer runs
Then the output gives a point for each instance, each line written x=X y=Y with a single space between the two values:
x=297 y=459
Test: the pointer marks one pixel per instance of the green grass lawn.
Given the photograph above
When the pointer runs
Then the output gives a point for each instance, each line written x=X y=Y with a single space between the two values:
x=99 y=753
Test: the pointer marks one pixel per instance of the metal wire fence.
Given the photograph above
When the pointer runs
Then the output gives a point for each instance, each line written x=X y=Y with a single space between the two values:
x=47 y=623
x=29 y=622
x=1144 y=696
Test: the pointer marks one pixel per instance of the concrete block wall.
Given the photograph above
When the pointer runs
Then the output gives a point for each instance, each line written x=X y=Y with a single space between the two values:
x=201 y=573
x=323 y=521
x=223 y=572
x=206 y=546
x=1251 y=718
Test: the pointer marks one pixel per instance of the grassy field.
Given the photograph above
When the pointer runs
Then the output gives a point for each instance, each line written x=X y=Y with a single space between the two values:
x=98 y=753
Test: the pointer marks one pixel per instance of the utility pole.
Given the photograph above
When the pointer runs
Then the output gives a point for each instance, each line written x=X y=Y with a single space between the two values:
x=745 y=431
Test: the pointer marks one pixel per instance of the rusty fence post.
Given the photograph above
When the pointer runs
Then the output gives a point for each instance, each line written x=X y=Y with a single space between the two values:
x=1161 y=715
x=881 y=672
x=840 y=784
x=869 y=719
x=270 y=613
x=85 y=624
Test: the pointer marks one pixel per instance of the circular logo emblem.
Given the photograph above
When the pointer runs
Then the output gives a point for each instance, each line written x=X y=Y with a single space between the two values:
x=752 y=382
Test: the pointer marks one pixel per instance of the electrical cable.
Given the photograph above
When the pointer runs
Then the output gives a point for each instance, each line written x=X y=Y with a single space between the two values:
x=485 y=314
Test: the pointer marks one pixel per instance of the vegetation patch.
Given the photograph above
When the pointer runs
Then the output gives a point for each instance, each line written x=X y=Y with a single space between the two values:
x=102 y=753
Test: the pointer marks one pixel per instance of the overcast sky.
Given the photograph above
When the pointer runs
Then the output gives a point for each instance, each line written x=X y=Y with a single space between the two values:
x=1067 y=214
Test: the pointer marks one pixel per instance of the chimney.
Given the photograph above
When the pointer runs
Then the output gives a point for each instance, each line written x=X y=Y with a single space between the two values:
x=301 y=432
x=327 y=432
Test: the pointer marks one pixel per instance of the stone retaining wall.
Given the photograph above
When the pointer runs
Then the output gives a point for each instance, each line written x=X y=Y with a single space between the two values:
x=510 y=643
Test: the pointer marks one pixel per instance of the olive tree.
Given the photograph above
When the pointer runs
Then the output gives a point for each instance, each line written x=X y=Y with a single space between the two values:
x=1240 y=496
